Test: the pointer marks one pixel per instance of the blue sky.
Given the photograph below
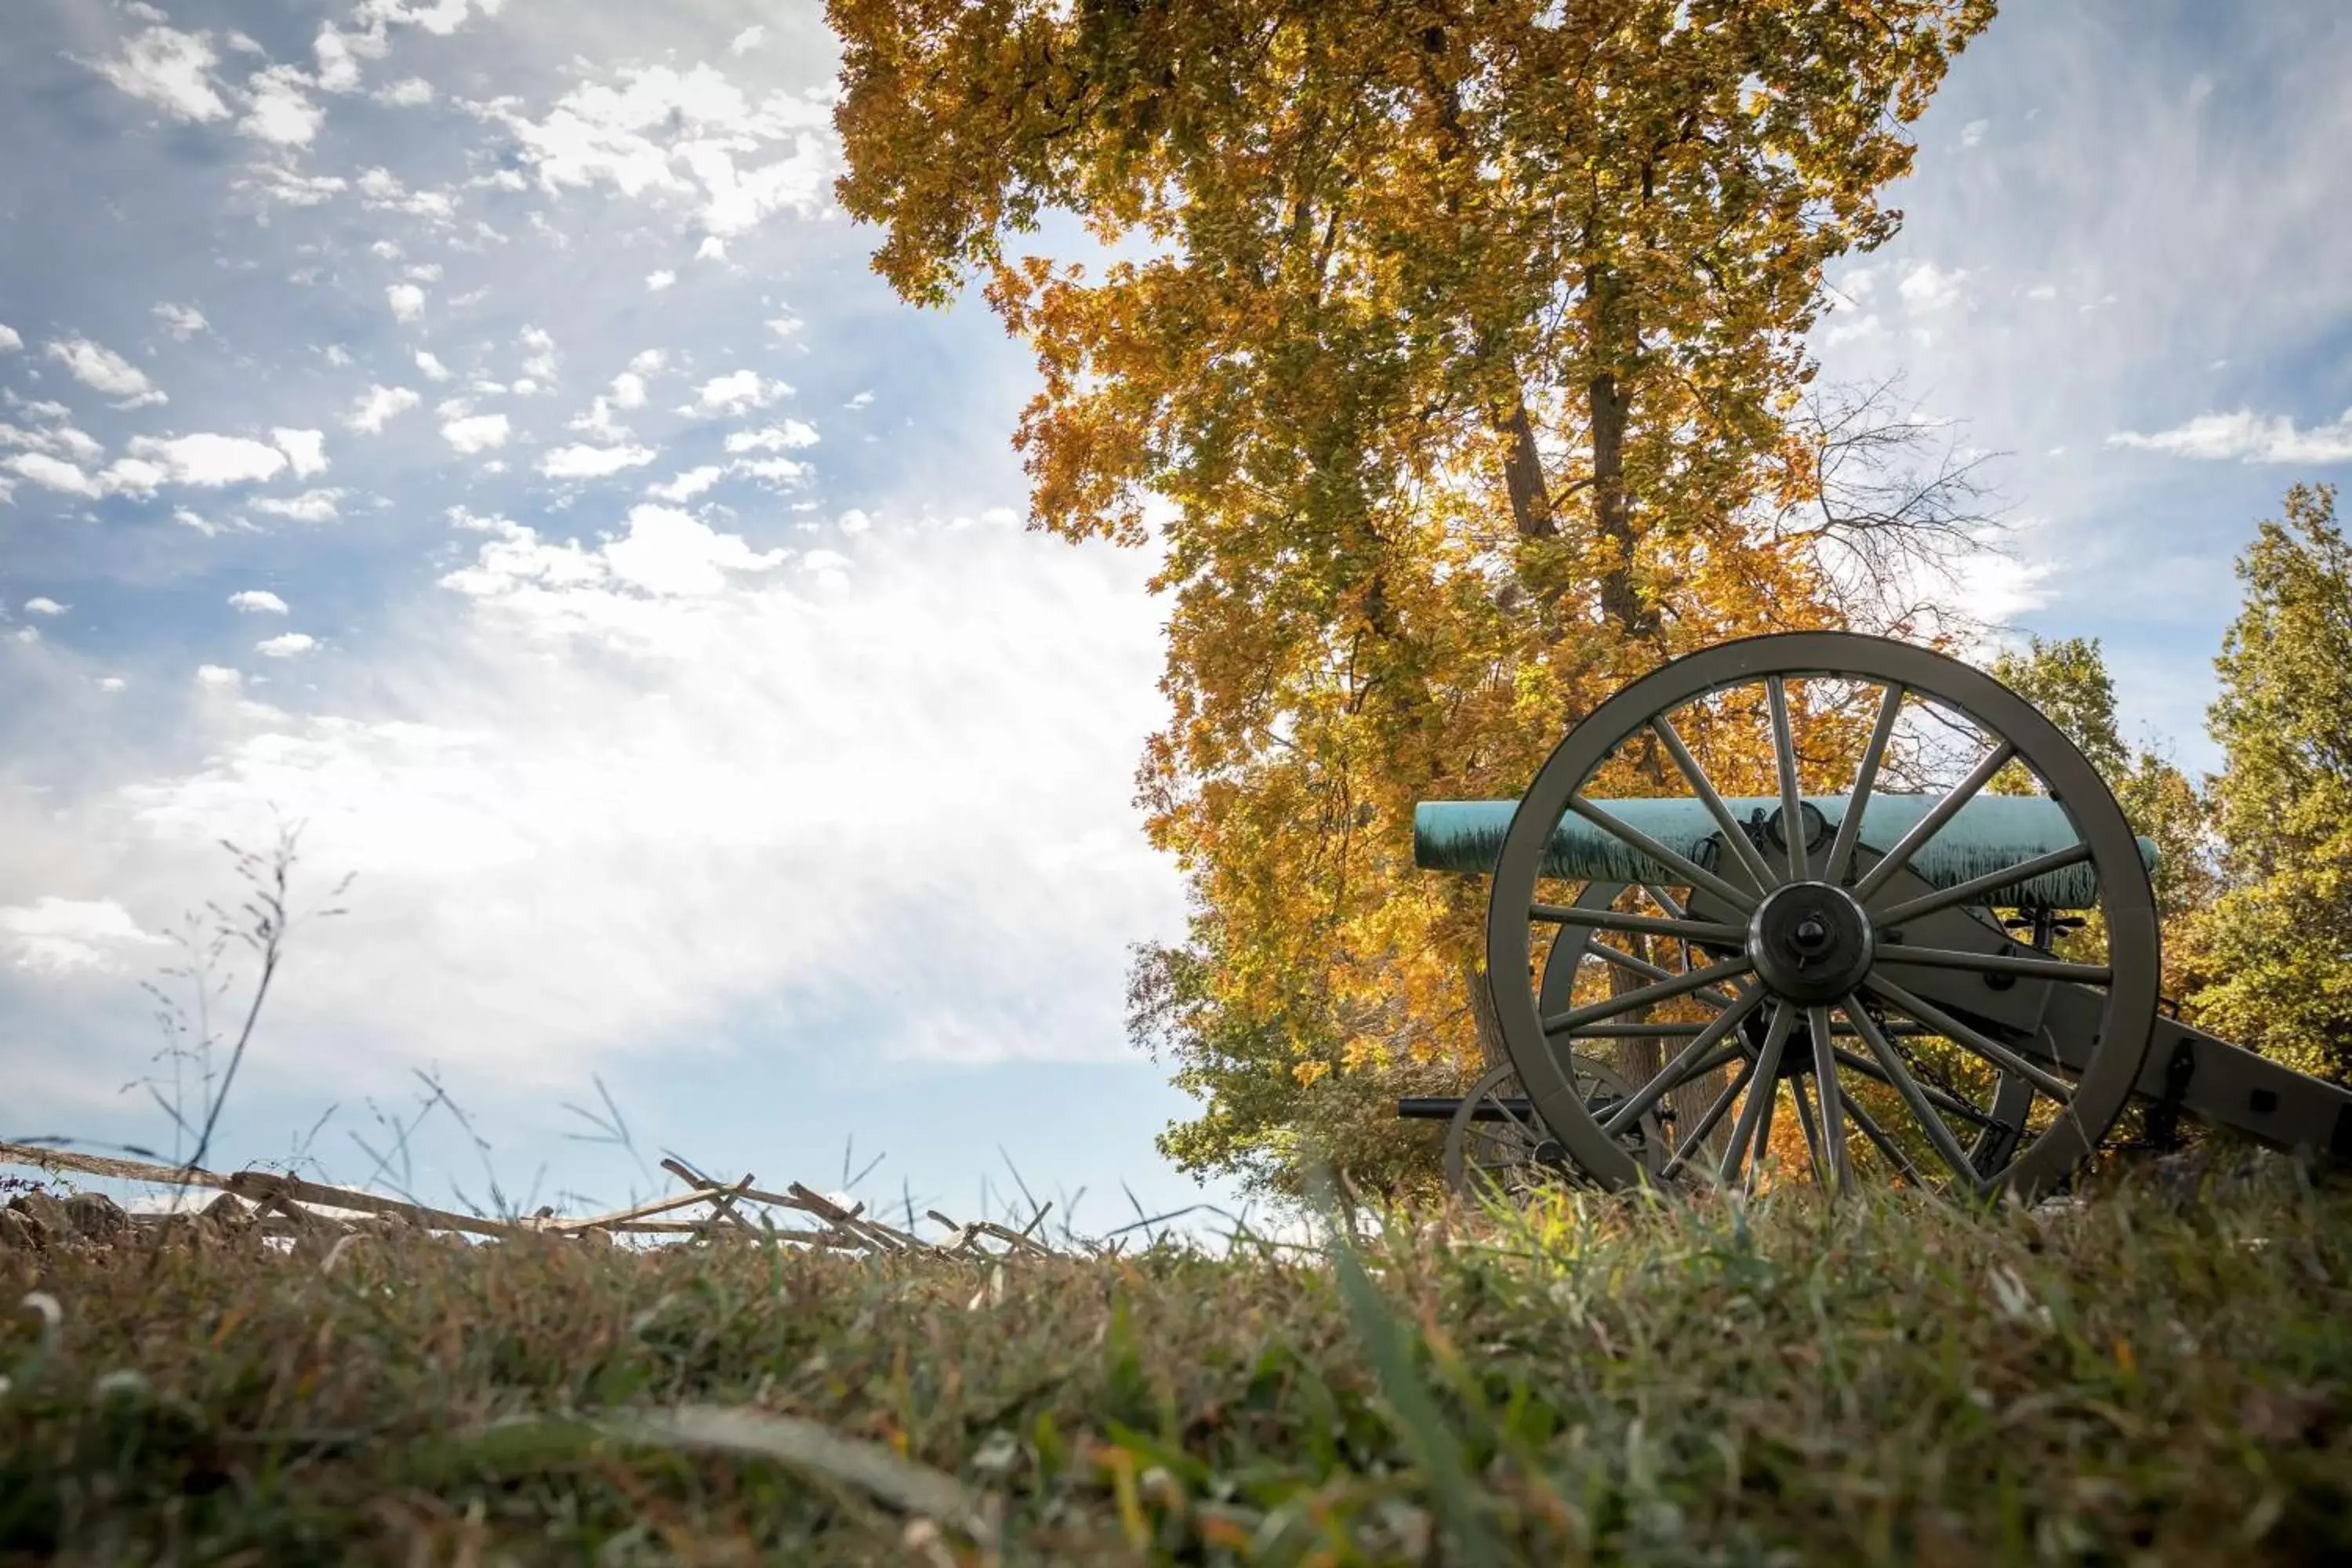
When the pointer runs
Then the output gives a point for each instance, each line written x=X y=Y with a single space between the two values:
x=470 y=427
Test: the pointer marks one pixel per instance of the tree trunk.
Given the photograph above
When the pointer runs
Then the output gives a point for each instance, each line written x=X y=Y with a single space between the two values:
x=1523 y=476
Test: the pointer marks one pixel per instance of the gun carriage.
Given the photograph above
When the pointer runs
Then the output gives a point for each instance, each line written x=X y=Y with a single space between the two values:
x=1948 y=973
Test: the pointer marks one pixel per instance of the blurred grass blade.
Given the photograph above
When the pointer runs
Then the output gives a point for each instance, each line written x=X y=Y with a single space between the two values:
x=1386 y=1342
x=812 y=1449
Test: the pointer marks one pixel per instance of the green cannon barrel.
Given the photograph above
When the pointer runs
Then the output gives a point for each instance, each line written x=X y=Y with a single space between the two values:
x=1989 y=833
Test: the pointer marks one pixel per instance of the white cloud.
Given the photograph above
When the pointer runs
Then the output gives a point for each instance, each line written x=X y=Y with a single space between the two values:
x=286 y=645
x=2042 y=291
x=685 y=487
x=433 y=368
x=380 y=191
x=628 y=390
x=735 y=392
x=749 y=38
x=594 y=462
x=1928 y=287
x=855 y=522
x=712 y=248
x=44 y=606
x=59 y=936
x=409 y=93
x=296 y=189
x=134 y=477
x=170 y=69
x=10 y=341
x=218 y=676
x=339 y=55
x=669 y=133
x=310 y=506
x=781 y=473
x=422 y=272
x=208 y=459
x=2248 y=438
x=649 y=362
x=102 y=370
x=786 y=325
x=785 y=436
x=1843 y=329
x=862 y=400
x=407 y=302
x=111 y=683
x=476 y=432
x=307 y=449
x=599 y=421
x=54 y=473
x=438 y=17
x=278 y=113
x=377 y=405
x=256 y=602
x=660 y=280
x=183 y=322
x=57 y=440
x=1973 y=132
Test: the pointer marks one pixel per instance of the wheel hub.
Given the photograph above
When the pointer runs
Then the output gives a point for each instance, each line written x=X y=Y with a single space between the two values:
x=1810 y=943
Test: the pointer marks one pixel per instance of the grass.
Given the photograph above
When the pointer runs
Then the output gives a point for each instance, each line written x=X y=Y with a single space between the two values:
x=2139 y=1377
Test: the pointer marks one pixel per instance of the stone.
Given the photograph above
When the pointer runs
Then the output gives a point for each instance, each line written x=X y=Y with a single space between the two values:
x=20 y=1232
x=95 y=1216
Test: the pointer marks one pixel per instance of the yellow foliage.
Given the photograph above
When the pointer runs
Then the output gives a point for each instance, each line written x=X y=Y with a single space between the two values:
x=1462 y=342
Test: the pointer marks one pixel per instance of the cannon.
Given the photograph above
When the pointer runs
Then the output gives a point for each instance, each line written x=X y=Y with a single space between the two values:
x=1924 y=929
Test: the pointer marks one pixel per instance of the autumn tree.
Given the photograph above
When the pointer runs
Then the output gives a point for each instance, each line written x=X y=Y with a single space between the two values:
x=2275 y=952
x=1459 y=350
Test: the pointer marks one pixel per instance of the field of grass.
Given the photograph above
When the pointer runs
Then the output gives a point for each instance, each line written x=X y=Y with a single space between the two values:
x=2142 y=1375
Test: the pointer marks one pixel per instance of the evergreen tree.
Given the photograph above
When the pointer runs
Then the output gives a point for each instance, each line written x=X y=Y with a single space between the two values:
x=2275 y=952
x=2066 y=679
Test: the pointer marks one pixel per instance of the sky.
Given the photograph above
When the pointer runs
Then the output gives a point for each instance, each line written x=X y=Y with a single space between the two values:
x=471 y=430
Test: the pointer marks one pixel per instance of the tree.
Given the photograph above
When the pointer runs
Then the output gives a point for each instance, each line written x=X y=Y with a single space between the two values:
x=2067 y=679
x=2275 y=952
x=1464 y=346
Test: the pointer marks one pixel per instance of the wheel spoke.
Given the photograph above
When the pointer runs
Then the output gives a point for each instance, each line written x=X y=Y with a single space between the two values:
x=1840 y=1164
x=1813 y=1133
x=1883 y=1145
x=1784 y=760
x=1664 y=989
x=1665 y=901
x=1974 y=890
x=1706 y=1123
x=1734 y=835
x=1640 y=925
x=1762 y=1153
x=1648 y=971
x=1898 y=1077
x=1849 y=831
x=1950 y=1104
x=1992 y=1050
x=1689 y=870
x=1928 y=827
x=1757 y=1114
x=1724 y=1055
x=1995 y=963
x=1676 y=1070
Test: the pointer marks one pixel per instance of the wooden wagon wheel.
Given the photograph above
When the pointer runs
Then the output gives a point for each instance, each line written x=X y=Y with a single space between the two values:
x=1995 y=1123
x=1806 y=941
x=1497 y=1146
